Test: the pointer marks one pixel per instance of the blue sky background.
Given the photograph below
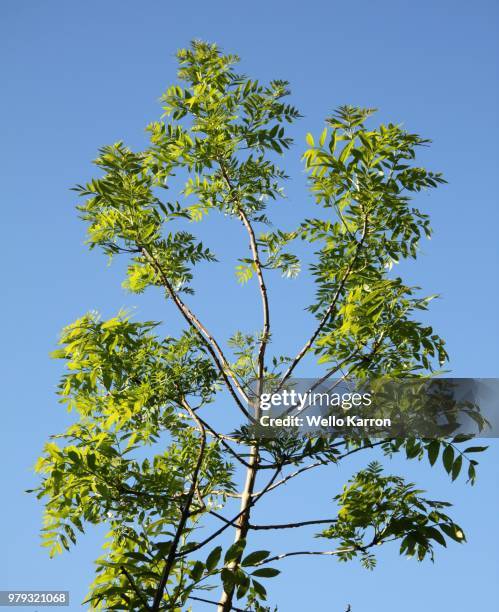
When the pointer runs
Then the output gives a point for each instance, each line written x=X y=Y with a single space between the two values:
x=77 y=75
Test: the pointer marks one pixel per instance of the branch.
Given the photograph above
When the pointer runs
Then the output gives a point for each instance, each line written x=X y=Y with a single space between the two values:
x=338 y=551
x=323 y=379
x=316 y=464
x=293 y=525
x=140 y=595
x=228 y=523
x=222 y=518
x=263 y=293
x=172 y=553
x=222 y=439
x=259 y=273
x=329 y=310
x=126 y=490
x=360 y=448
x=306 y=552
x=226 y=493
x=289 y=477
x=205 y=336
x=215 y=603
x=279 y=526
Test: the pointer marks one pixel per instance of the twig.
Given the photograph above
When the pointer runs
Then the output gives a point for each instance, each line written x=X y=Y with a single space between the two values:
x=293 y=525
x=140 y=595
x=290 y=476
x=215 y=603
x=306 y=552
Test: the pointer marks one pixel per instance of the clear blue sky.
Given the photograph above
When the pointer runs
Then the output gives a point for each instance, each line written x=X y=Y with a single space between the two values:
x=77 y=75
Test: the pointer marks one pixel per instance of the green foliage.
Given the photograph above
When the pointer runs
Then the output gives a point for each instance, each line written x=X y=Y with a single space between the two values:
x=375 y=509
x=125 y=385
x=141 y=456
x=366 y=177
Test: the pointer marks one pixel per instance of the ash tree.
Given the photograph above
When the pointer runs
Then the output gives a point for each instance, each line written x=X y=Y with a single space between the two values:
x=143 y=455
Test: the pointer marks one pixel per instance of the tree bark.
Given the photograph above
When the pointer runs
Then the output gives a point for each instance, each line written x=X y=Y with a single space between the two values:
x=225 y=603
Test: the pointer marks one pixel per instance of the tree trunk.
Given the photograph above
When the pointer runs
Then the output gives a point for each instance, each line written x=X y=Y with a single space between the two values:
x=225 y=602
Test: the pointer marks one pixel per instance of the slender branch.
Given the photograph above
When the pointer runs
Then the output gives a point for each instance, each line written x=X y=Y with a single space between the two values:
x=222 y=518
x=216 y=533
x=337 y=551
x=259 y=273
x=306 y=552
x=126 y=490
x=207 y=339
x=207 y=540
x=323 y=379
x=215 y=603
x=317 y=463
x=227 y=437
x=172 y=553
x=293 y=525
x=263 y=293
x=306 y=347
x=290 y=476
x=226 y=493
x=223 y=442
x=360 y=448
x=139 y=594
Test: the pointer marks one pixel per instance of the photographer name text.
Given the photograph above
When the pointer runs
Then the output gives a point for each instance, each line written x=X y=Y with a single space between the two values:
x=323 y=421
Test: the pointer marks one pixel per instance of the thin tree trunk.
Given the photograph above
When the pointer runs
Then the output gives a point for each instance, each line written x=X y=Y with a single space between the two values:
x=225 y=603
